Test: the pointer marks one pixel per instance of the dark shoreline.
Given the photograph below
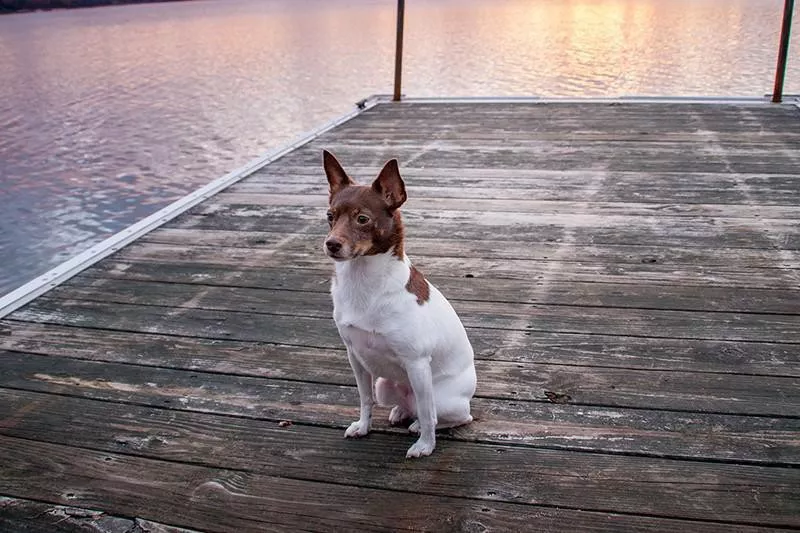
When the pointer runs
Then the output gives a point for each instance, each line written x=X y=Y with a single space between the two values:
x=19 y=6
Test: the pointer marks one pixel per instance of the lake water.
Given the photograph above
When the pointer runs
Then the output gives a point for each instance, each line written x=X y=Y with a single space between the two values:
x=108 y=114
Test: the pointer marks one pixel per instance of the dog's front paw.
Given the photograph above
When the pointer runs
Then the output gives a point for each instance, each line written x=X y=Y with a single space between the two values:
x=357 y=429
x=421 y=448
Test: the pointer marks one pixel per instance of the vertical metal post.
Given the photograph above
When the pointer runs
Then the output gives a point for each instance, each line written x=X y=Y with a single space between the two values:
x=398 y=51
x=783 y=51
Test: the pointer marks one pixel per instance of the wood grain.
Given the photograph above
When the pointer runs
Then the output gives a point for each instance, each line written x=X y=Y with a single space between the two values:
x=568 y=425
x=586 y=228
x=313 y=324
x=26 y=516
x=257 y=199
x=643 y=272
x=259 y=357
x=309 y=243
x=598 y=185
x=315 y=300
x=469 y=286
x=216 y=499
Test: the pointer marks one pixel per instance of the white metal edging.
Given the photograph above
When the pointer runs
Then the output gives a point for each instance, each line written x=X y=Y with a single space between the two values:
x=589 y=100
x=54 y=277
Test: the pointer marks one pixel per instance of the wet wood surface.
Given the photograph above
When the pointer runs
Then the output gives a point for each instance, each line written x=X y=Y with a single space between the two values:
x=629 y=276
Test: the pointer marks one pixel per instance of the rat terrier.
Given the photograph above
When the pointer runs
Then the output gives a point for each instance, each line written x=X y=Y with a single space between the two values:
x=405 y=343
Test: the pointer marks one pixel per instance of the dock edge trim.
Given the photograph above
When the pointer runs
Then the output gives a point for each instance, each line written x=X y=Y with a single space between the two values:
x=73 y=266
x=728 y=100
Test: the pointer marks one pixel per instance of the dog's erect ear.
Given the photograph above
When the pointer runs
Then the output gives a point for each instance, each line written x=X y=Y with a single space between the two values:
x=390 y=185
x=337 y=177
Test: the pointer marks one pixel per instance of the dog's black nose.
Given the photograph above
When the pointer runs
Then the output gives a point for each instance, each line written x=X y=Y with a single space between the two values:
x=333 y=246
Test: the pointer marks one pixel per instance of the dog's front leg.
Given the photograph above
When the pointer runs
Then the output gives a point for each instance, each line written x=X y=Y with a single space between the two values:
x=421 y=380
x=360 y=427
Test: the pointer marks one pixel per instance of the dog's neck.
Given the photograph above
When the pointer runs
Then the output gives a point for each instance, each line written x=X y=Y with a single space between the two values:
x=382 y=268
x=363 y=282
x=364 y=285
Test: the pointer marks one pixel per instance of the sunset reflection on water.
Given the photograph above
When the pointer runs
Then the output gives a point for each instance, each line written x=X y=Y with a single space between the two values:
x=108 y=114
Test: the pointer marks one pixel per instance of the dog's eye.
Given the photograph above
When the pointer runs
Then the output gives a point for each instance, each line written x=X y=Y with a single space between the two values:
x=362 y=219
x=330 y=216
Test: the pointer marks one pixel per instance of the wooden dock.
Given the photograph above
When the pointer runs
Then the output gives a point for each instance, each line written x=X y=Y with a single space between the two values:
x=629 y=275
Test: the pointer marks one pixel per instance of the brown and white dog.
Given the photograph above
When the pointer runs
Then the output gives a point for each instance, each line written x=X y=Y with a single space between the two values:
x=397 y=327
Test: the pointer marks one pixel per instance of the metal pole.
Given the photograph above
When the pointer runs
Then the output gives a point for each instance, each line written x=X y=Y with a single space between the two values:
x=398 y=51
x=783 y=51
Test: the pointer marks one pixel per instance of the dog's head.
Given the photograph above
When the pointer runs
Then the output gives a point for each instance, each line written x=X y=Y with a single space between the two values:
x=364 y=220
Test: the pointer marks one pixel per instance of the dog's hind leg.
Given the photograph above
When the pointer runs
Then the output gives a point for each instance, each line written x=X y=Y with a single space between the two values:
x=452 y=410
x=452 y=399
x=398 y=396
x=451 y=415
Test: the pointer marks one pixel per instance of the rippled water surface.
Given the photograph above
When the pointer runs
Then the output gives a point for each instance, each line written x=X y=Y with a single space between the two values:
x=108 y=114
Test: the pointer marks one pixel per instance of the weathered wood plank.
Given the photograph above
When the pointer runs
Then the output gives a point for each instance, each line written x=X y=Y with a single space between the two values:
x=97 y=282
x=577 y=216
x=528 y=272
x=451 y=123
x=587 y=228
x=565 y=155
x=494 y=133
x=279 y=398
x=473 y=140
x=64 y=419
x=255 y=200
x=683 y=188
x=484 y=313
x=516 y=421
x=444 y=120
x=378 y=462
x=472 y=282
x=470 y=138
x=503 y=316
x=523 y=178
x=475 y=135
x=220 y=499
x=310 y=243
x=742 y=116
x=259 y=358
x=26 y=516
x=576 y=116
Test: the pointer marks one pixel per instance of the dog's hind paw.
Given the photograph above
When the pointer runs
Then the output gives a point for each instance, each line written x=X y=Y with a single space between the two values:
x=398 y=415
x=357 y=429
x=414 y=427
x=420 y=449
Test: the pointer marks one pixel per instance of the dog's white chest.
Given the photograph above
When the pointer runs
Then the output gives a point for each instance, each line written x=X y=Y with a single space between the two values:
x=372 y=309
x=374 y=352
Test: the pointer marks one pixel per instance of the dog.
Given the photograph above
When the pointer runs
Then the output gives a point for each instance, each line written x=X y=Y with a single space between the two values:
x=405 y=343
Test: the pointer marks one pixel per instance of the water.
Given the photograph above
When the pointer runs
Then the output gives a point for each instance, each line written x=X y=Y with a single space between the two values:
x=108 y=114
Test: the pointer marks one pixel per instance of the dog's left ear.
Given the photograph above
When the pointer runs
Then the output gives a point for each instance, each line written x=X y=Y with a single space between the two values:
x=390 y=185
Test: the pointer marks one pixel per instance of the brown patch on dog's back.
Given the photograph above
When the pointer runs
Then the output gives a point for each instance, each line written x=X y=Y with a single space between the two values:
x=418 y=286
